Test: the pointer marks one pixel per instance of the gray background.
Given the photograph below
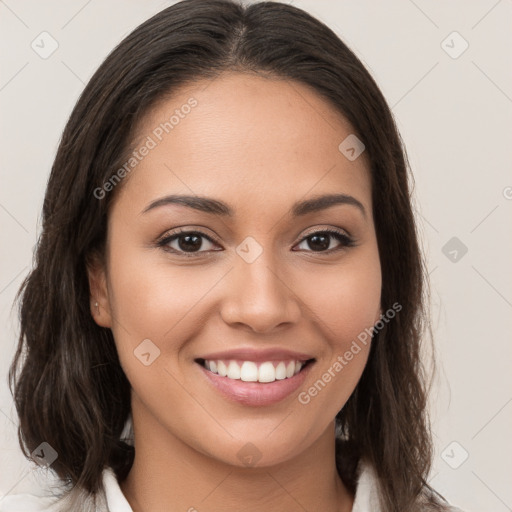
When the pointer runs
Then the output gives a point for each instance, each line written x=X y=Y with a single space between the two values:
x=454 y=110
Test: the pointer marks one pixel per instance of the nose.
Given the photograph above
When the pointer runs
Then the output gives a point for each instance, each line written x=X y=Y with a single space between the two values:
x=259 y=296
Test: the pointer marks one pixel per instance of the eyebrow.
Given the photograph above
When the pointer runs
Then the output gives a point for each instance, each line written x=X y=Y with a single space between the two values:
x=216 y=207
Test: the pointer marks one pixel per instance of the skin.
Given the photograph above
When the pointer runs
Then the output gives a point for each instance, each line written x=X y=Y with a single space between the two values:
x=258 y=144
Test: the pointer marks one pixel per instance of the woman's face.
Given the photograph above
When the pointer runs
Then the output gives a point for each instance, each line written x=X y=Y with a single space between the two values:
x=262 y=284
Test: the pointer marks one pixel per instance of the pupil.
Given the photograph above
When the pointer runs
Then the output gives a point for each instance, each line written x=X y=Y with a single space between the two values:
x=322 y=245
x=188 y=244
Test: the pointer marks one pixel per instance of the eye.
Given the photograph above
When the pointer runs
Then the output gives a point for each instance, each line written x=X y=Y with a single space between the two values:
x=320 y=241
x=186 y=243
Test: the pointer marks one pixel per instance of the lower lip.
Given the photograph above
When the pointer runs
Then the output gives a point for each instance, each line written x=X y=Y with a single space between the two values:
x=256 y=393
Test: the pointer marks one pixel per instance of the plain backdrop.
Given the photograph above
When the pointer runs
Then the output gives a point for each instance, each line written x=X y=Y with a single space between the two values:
x=444 y=68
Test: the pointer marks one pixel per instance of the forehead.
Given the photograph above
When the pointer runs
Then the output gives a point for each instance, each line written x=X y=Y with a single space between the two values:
x=248 y=138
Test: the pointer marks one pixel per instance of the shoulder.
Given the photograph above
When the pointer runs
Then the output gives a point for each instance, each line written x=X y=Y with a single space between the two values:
x=28 y=503
x=110 y=498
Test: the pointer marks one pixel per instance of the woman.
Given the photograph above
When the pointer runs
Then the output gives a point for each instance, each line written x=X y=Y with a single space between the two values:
x=226 y=307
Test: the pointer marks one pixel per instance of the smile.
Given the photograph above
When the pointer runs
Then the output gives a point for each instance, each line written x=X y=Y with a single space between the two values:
x=255 y=383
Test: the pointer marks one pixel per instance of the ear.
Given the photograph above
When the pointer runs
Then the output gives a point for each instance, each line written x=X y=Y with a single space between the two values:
x=99 y=297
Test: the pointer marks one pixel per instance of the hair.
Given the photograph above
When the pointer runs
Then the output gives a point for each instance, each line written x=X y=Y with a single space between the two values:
x=68 y=385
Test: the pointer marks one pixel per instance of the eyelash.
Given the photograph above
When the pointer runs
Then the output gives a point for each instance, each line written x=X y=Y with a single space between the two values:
x=344 y=239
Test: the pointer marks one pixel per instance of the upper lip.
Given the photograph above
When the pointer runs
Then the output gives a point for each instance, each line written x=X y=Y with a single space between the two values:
x=257 y=355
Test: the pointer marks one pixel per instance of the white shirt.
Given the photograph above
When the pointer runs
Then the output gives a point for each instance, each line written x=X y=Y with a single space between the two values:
x=366 y=499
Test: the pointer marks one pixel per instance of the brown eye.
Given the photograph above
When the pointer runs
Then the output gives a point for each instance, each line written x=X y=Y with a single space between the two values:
x=321 y=241
x=186 y=242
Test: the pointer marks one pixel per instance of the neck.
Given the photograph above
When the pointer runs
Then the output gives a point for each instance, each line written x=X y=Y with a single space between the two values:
x=168 y=474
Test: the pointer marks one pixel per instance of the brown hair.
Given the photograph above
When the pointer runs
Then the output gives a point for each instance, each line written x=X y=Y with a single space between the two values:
x=69 y=388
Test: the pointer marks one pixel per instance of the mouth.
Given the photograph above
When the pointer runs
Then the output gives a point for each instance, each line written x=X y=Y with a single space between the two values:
x=250 y=383
x=261 y=372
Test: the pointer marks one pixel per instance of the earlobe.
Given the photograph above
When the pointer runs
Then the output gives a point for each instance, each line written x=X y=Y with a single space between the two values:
x=99 y=297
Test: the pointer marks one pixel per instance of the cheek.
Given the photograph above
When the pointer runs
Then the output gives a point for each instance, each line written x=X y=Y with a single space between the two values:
x=151 y=299
x=345 y=298
x=156 y=301
x=346 y=304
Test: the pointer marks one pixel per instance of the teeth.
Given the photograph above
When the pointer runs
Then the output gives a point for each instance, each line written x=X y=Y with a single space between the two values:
x=233 y=370
x=280 y=371
x=267 y=373
x=221 y=369
x=249 y=371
